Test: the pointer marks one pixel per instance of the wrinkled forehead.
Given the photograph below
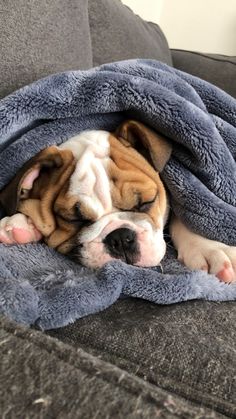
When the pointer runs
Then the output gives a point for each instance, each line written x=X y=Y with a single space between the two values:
x=89 y=183
x=108 y=176
x=102 y=145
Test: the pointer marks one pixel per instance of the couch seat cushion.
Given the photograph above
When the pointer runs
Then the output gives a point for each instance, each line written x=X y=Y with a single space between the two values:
x=217 y=69
x=188 y=349
x=44 y=378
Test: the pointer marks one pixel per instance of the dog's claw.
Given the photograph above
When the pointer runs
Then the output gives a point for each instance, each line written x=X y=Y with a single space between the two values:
x=226 y=274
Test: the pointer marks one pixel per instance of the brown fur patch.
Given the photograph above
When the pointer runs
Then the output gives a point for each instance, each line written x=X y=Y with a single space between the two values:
x=134 y=181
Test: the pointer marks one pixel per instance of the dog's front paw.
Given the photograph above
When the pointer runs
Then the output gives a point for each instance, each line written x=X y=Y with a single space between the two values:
x=18 y=229
x=211 y=256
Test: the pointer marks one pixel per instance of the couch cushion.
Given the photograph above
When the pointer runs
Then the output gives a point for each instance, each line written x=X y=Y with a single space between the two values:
x=41 y=37
x=118 y=34
x=217 y=69
x=188 y=349
x=44 y=378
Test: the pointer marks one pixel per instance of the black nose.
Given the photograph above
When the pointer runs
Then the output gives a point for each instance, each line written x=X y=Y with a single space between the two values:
x=122 y=244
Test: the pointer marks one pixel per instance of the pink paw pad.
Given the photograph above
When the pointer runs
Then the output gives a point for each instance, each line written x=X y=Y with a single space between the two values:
x=226 y=274
x=21 y=235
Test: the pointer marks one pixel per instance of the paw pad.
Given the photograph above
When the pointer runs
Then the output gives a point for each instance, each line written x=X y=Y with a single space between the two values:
x=226 y=274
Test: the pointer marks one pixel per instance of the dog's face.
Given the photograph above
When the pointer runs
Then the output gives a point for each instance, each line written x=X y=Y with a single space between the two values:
x=98 y=196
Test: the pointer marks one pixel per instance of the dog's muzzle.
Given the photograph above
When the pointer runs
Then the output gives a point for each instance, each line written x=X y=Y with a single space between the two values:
x=122 y=244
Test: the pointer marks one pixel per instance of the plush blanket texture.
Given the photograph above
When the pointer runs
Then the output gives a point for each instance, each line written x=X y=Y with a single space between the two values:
x=39 y=286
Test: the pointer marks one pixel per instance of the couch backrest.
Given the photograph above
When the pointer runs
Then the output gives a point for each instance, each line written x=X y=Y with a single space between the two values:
x=118 y=34
x=39 y=38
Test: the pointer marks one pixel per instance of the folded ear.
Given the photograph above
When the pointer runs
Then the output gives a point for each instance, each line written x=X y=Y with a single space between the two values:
x=153 y=146
x=19 y=187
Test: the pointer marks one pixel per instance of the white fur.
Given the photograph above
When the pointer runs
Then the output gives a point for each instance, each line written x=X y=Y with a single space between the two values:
x=90 y=181
x=197 y=252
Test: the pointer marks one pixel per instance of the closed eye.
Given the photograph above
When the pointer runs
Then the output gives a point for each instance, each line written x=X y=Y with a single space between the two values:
x=74 y=221
x=72 y=217
x=145 y=206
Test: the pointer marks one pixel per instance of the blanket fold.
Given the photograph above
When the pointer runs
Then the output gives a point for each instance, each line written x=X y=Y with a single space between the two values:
x=199 y=118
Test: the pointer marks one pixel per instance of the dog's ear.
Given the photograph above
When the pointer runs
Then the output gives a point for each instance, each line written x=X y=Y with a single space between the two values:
x=153 y=146
x=19 y=187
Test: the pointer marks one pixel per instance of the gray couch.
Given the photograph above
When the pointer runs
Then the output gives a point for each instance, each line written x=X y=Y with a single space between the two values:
x=135 y=359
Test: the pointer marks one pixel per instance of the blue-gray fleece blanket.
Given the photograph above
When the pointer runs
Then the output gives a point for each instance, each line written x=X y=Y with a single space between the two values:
x=39 y=286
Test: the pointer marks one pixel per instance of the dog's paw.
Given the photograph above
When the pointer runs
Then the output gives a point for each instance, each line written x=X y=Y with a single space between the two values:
x=18 y=229
x=211 y=256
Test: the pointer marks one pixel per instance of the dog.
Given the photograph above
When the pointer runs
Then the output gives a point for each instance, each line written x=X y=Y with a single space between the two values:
x=99 y=197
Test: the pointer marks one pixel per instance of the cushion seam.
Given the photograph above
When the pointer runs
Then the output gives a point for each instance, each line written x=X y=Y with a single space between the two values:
x=89 y=32
x=117 y=382
x=90 y=35
x=165 y=387
x=206 y=56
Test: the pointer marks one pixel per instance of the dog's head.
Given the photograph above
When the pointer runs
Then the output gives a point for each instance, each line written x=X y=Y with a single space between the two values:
x=98 y=196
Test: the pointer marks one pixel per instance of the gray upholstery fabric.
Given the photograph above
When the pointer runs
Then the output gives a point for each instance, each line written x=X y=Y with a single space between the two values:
x=40 y=38
x=185 y=351
x=189 y=349
x=43 y=378
x=118 y=34
x=217 y=69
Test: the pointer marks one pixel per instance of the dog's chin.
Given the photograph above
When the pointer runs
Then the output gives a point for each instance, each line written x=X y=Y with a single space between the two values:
x=96 y=258
x=105 y=258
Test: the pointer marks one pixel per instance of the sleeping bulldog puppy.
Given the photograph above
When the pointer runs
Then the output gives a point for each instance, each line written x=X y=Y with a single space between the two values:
x=99 y=197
